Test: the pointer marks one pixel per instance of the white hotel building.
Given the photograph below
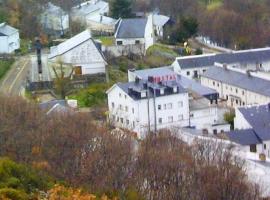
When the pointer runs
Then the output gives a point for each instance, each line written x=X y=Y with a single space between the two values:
x=158 y=98
x=141 y=106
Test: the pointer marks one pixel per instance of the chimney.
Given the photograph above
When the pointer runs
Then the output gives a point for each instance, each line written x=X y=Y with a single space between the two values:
x=225 y=66
x=137 y=80
x=151 y=79
x=101 y=18
x=130 y=90
x=145 y=85
x=249 y=73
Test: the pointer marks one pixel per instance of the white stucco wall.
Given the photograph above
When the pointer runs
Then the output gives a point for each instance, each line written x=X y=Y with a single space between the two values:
x=130 y=41
x=140 y=115
x=85 y=55
x=203 y=118
x=8 y=44
x=240 y=122
x=149 y=32
x=236 y=96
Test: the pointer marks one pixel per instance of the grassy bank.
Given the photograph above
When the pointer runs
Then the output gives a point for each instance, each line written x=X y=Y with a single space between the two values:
x=5 y=65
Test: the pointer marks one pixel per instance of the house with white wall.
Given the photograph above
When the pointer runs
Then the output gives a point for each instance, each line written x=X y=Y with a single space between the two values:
x=54 y=20
x=101 y=23
x=252 y=125
x=135 y=32
x=159 y=21
x=89 y=8
x=81 y=52
x=237 y=88
x=195 y=65
x=9 y=38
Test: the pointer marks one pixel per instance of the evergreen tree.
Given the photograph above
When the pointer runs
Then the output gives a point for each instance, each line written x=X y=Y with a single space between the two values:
x=120 y=8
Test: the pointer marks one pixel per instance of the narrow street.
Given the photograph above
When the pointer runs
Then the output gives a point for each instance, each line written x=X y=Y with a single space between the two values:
x=194 y=44
x=14 y=81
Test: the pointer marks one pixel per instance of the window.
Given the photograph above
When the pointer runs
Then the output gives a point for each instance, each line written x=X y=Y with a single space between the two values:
x=236 y=90
x=126 y=108
x=175 y=89
x=170 y=119
x=243 y=92
x=120 y=107
x=214 y=83
x=188 y=73
x=127 y=121
x=161 y=91
x=125 y=96
x=204 y=70
x=137 y=41
x=143 y=94
x=264 y=146
x=160 y=120
x=169 y=106
x=119 y=42
x=180 y=104
x=112 y=104
x=113 y=117
x=122 y=120
x=218 y=84
x=227 y=97
x=191 y=115
x=180 y=117
x=120 y=94
x=195 y=74
x=165 y=106
x=133 y=110
x=236 y=101
x=133 y=124
x=253 y=148
x=159 y=107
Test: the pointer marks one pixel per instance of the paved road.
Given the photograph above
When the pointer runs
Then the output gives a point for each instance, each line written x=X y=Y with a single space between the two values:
x=15 y=79
x=206 y=50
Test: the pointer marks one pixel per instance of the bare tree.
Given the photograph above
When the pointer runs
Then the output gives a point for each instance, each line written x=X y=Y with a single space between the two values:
x=63 y=75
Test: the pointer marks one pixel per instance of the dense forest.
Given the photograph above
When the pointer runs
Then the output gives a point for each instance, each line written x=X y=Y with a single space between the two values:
x=236 y=24
x=80 y=153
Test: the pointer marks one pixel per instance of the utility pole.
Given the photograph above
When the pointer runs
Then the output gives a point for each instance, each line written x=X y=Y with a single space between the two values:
x=148 y=109
x=38 y=51
x=155 y=112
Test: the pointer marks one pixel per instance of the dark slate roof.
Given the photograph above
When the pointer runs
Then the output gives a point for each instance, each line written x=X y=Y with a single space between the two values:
x=2 y=34
x=252 y=56
x=238 y=79
x=49 y=104
x=183 y=81
x=6 y=30
x=131 y=28
x=259 y=119
x=243 y=137
x=139 y=87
